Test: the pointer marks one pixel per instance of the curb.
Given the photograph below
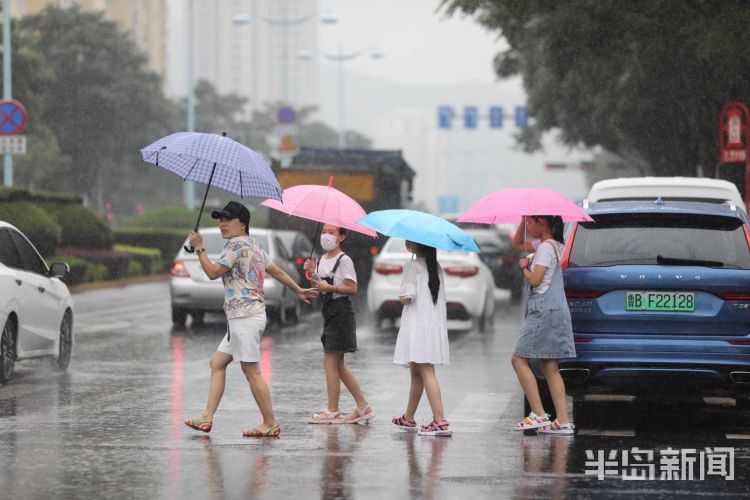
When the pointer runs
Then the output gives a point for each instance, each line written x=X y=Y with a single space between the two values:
x=135 y=280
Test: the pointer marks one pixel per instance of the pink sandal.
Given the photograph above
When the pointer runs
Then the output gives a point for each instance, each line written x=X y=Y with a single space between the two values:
x=436 y=428
x=533 y=421
x=364 y=414
x=403 y=424
x=325 y=417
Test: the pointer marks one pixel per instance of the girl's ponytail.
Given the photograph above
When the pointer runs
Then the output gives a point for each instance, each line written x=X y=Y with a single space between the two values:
x=556 y=226
x=430 y=256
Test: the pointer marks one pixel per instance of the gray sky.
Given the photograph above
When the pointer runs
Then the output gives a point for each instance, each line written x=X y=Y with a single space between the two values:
x=421 y=46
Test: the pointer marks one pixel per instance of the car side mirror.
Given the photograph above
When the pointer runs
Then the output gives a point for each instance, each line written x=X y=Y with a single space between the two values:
x=59 y=270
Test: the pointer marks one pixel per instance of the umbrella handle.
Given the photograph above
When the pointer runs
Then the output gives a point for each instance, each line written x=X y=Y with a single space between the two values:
x=188 y=249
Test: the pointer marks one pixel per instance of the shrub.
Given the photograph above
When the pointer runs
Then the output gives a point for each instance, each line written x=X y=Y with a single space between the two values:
x=149 y=259
x=175 y=217
x=168 y=241
x=135 y=268
x=80 y=226
x=16 y=194
x=115 y=264
x=34 y=222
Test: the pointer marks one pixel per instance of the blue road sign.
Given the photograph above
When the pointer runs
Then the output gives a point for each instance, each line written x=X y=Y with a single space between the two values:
x=496 y=117
x=12 y=117
x=445 y=117
x=522 y=116
x=471 y=116
x=286 y=115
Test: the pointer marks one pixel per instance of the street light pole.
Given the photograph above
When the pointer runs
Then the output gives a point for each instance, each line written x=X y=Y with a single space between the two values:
x=7 y=86
x=340 y=57
x=189 y=187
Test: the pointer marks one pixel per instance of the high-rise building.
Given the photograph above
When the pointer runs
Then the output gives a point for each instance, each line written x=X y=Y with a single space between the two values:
x=248 y=47
x=145 y=20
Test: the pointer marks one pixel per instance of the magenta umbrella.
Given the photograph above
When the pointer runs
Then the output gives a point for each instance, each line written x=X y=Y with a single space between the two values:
x=511 y=205
x=322 y=204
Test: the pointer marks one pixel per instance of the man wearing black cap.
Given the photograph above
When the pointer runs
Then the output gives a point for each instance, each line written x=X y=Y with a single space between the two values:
x=242 y=268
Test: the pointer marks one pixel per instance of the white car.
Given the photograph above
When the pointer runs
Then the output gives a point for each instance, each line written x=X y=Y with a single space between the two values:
x=193 y=293
x=36 y=309
x=469 y=286
x=667 y=188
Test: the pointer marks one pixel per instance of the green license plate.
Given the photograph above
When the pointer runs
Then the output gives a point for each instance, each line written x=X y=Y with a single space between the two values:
x=660 y=301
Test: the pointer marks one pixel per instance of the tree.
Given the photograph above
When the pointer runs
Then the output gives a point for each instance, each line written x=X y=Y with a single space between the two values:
x=101 y=102
x=644 y=79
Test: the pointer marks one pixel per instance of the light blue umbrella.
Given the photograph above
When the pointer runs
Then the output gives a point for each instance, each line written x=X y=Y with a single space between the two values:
x=420 y=227
x=214 y=160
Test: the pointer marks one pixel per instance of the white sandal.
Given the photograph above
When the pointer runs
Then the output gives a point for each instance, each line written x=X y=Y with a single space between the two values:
x=364 y=414
x=325 y=417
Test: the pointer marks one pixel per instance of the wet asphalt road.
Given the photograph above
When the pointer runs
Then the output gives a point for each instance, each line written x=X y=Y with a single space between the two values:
x=111 y=427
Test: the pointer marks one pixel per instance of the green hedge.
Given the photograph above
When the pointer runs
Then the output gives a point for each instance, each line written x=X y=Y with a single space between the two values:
x=34 y=222
x=168 y=241
x=80 y=227
x=116 y=263
x=81 y=271
x=143 y=260
x=175 y=217
x=16 y=194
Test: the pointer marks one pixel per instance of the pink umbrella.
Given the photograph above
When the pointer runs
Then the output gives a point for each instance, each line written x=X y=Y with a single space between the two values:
x=510 y=205
x=324 y=204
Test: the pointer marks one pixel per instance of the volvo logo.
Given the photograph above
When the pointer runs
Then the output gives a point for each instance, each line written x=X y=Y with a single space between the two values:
x=642 y=276
x=678 y=276
x=697 y=278
x=623 y=276
x=660 y=277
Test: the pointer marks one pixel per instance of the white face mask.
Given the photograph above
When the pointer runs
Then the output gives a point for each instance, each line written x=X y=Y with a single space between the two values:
x=328 y=242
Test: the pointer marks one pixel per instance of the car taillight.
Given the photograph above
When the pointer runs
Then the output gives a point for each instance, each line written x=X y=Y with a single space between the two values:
x=583 y=294
x=583 y=340
x=565 y=261
x=739 y=342
x=299 y=261
x=462 y=271
x=747 y=234
x=734 y=296
x=386 y=269
x=179 y=270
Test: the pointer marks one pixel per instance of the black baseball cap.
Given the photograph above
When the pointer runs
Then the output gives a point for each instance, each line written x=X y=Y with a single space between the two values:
x=233 y=210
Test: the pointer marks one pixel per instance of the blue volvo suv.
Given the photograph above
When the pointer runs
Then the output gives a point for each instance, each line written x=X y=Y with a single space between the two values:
x=659 y=295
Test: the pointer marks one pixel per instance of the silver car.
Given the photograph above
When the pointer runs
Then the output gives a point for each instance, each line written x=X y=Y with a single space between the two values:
x=193 y=293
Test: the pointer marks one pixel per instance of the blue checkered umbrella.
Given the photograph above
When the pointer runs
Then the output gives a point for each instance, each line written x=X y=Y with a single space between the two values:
x=214 y=160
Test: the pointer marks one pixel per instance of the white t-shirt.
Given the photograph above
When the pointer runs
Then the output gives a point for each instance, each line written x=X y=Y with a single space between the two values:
x=345 y=271
x=546 y=256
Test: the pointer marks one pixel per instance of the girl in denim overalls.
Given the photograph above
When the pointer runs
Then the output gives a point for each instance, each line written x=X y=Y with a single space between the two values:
x=547 y=333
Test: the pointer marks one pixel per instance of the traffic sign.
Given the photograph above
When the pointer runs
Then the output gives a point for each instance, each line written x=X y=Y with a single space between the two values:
x=522 y=116
x=12 y=117
x=471 y=116
x=496 y=117
x=286 y=115
x=13 y=144
x=445 y=116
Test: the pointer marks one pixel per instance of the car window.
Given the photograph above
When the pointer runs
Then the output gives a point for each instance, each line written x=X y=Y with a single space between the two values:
x=676 y=239
x=8 y=253
x=281 y=249
x=303 y=247
x=213 y=243
x=30 y=260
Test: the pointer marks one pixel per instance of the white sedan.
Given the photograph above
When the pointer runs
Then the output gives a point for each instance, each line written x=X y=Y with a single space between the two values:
x=36 y=309
x=469 y=286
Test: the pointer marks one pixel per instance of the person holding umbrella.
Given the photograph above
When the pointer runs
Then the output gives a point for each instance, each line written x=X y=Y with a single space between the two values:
x=422 y=340
x=547 y=333
x=334 y=276
x=242 y=268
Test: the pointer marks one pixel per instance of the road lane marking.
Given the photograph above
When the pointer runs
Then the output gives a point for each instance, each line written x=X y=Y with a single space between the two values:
x=607 y=432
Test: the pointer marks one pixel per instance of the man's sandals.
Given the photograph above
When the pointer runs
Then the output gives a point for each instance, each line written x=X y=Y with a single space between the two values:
x=272 y=431
x=205 y=425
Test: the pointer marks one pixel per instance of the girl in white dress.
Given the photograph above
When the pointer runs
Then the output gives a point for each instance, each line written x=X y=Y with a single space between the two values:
x=422 y=339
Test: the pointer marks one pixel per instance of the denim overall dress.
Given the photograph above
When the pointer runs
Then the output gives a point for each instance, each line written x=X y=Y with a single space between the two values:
x=547 y=332
x=339 y=323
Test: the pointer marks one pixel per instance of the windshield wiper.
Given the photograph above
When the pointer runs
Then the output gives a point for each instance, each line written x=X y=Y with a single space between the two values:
x=673 y=261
